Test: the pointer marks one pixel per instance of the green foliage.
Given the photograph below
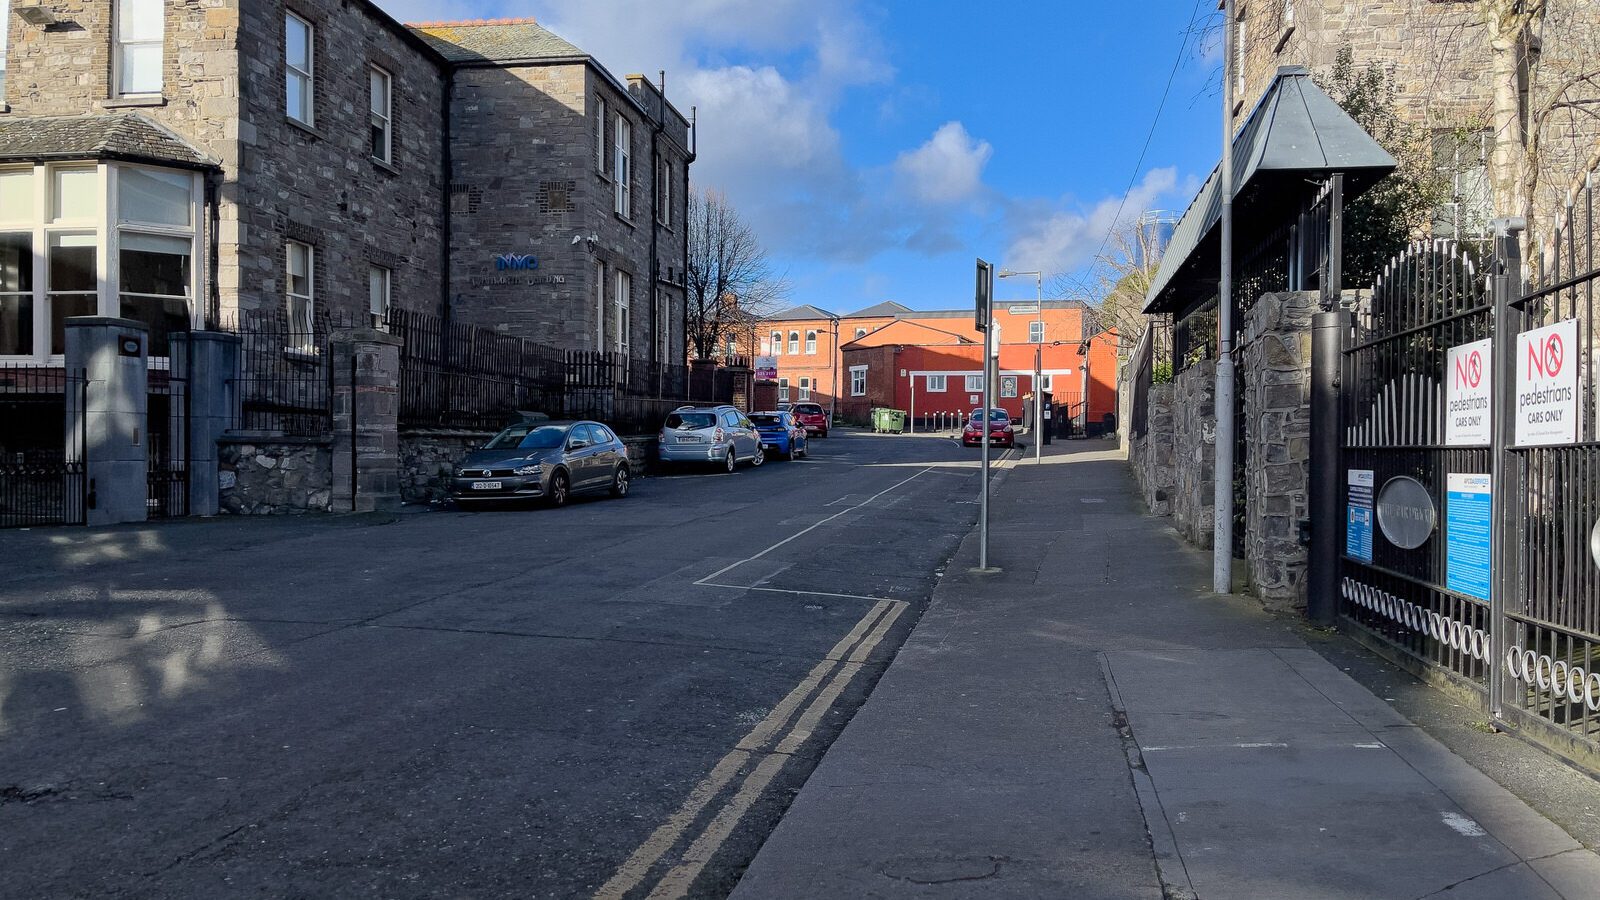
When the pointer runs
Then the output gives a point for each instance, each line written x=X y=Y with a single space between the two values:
x=1161 y=372
x=1380 y=222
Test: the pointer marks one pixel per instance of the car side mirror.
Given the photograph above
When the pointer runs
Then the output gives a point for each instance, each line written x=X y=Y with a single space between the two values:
x=577 y=445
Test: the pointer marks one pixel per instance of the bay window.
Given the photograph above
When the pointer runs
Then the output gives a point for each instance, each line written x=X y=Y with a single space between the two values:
x=96 y=239
x=138 y=29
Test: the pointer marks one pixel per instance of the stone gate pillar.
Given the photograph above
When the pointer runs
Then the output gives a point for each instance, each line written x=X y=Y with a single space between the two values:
x=108 y=423
x=366 y=435
x=210 y=361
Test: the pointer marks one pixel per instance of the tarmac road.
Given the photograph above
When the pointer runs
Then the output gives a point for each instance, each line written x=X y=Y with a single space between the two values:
x=616 y=699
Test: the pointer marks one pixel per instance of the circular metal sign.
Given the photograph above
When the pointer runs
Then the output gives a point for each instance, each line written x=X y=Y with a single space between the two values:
x=1594 y=542
x=1406 y=513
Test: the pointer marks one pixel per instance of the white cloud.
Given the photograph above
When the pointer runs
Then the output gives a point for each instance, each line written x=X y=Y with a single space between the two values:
x=1052 y=240
x=947 y=169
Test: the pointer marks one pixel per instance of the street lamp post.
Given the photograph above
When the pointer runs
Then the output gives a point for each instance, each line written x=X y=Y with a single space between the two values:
x=833 y=394
x=1038 y=360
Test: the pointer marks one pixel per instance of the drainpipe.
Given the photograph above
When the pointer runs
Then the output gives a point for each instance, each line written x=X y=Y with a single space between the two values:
x=655 y=229
x=694 y=144
x=213 y=250
x=448 y=165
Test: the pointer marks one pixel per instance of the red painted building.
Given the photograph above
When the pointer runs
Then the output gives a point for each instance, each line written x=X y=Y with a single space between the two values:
x=904 y=366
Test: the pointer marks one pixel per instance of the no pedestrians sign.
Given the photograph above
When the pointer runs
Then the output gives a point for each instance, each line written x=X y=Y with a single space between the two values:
x=1466 y=395
x=1547 y=385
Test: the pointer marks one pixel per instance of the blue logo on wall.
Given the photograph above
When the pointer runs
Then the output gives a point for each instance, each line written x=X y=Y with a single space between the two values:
x=505 y=261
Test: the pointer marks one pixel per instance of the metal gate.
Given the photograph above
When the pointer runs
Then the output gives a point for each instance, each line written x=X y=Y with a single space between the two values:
x=168 y=448
x=1501 y=597
x=1549 y=567
x=42 y=479
x=1428 y=299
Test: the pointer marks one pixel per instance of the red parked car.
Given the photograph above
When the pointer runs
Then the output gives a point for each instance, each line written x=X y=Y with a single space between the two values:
x=1001 y=433
x=811 y=417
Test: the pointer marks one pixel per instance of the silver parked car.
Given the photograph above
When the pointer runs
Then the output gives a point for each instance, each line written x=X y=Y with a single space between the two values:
x=721 y=435
x=543 y=460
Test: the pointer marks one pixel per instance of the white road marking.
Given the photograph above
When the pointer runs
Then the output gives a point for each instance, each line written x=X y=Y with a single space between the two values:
x=664 y=838
x=1465 y=826
x=804 y=531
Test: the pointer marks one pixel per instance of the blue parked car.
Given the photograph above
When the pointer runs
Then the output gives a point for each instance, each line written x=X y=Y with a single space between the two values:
x=780 y=434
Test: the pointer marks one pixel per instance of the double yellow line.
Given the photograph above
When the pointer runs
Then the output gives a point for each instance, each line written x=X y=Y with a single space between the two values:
x=838 y=668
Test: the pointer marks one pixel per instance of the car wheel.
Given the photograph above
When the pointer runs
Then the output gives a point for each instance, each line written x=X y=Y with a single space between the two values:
x=730 y=462
x=760 y=457
x=620 y=482
x=560 y=488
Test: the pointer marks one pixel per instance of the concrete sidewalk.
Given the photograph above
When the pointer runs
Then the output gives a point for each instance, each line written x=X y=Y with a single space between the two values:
x=1089 y=723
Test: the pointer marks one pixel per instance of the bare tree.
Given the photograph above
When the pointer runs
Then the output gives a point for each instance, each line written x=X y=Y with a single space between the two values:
x=730 y=283
x=1115 y=293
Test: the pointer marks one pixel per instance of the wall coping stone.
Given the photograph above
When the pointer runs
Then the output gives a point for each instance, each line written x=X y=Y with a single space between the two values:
x=272 y=437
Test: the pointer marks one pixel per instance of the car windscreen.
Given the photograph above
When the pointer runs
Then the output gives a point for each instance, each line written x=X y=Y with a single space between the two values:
x=688 y=421
x=528 y=437
x=995 y=415
x=768 y=421
x=810 y=409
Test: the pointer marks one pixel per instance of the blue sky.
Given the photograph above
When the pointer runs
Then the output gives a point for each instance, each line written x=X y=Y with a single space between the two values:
x=877 y=147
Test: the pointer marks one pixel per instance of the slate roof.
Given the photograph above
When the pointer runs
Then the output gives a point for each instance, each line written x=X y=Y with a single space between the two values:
x=799 y=313
x=127 y=135
x=886 y=308
x=495 y=40
x=1294 y=134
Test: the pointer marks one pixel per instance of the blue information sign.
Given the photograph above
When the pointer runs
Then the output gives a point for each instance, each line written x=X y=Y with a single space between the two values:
x=1466 y=526
x=1358 y=515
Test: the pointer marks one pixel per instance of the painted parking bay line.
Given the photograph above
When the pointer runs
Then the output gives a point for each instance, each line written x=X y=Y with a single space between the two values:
x=843 y=662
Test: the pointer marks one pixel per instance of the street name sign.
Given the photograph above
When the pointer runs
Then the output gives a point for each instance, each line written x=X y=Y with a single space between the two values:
x=1547 y=385
x=983 y=296
x=1466 y=395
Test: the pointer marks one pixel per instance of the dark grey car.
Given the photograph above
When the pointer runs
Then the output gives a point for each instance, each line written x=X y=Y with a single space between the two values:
x=548 y=461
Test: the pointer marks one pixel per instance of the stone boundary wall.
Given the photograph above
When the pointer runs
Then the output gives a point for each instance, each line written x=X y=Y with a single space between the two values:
x=427 y=458
x=1194 y=439
x=265 y=475
x=1153 y=456
x=1275 y=369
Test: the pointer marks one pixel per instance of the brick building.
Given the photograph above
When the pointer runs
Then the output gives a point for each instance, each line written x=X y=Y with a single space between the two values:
x=179 y=162
x=809 y=354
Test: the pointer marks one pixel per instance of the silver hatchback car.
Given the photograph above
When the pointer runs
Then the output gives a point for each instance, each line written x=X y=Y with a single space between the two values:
x=721 y=435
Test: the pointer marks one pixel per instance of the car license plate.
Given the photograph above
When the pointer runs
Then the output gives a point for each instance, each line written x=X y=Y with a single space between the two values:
x=766 y=446
x=486 y=485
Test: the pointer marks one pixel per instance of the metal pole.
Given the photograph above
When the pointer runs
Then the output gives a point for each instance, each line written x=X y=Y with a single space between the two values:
x=833 y=395
x=1332 y=291
x=1222 y=496
x=983 y=440
x=1328 y=333
x=1505 y=479
x=1038 y=370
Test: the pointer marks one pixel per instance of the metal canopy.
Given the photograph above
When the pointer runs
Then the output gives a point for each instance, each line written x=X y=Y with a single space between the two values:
x=1294 y=138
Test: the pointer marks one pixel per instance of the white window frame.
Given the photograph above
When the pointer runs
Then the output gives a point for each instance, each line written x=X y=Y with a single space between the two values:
x=106 y=226
x=380 y=308
x=783 y=390
x=308 y=74
x=308 y=299
x=621 y=289
x=861 y=333
x=936 y=384
x=794 y=343
x=600 y=307
x=805 y=388
x=622 y=167
x=1047 y=382
x=600 y=135
x=120 y=48
x=1036 y=332
x=383 y=118
x=858 y=381
x=974 y=384
x=811 y=341
x=5 y=16
x=777 y=343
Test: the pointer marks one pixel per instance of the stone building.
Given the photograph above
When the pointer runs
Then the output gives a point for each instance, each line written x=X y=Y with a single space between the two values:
x=182 y=161
x=1438 y=57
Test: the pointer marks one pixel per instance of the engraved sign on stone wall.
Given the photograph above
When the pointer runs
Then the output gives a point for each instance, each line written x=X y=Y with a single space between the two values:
x=1406 y=513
